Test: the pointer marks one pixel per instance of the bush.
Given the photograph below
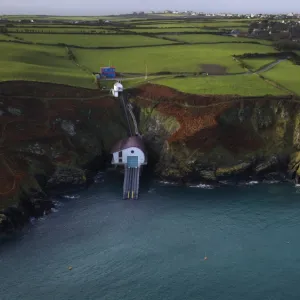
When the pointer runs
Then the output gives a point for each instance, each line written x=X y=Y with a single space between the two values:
x=3 y=29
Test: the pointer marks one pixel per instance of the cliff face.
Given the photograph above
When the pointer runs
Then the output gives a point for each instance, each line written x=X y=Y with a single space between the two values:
x=205 y=138
x=50 y=135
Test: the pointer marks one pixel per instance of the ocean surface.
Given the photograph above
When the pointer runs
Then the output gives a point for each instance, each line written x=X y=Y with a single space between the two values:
x=174 y=243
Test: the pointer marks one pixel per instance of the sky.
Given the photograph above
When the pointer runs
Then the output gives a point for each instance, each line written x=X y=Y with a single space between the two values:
x=104 y=7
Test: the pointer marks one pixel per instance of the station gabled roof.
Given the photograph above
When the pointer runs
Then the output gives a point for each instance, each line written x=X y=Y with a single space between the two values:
x=133 y=141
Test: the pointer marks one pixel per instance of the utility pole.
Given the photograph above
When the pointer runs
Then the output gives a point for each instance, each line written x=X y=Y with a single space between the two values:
x=146 y=74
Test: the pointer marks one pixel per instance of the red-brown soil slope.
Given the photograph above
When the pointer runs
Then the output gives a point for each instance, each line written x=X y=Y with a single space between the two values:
x=30 y=113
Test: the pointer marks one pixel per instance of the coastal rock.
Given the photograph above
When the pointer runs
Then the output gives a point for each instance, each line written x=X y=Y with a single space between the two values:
x=229 y=136
x=34 y=206
x=35 y=148
x=262 y=116
x=156 y=129
x=294 y=165
x=266 y=165
x=66 y=179
x=14 y=111
x=209 y=175
x=3 y=222
x=225 y=172
x=68 y=127
x=296 y=136
x=15 y=218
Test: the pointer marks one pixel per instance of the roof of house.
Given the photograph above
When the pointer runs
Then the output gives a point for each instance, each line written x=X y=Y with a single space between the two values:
x=133 y=141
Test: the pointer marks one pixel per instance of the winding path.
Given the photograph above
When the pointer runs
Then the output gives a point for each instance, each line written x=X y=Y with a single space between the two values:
x=270 y=66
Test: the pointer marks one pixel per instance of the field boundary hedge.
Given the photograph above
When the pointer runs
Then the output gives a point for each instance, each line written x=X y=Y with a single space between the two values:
x=290 y=55
x=175 y=43
x=88 y=48
x=277 y=85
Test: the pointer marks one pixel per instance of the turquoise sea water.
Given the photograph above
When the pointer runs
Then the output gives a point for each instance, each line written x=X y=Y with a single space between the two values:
x=154 y=248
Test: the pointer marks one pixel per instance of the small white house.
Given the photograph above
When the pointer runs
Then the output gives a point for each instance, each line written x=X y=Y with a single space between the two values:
x=118 y=88
x=130 y=152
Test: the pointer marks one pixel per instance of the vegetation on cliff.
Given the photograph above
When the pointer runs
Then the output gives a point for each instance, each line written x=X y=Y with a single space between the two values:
x=221 y=137
x=46 y=127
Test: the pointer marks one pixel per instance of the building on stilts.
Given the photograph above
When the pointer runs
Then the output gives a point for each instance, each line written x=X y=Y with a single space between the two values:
x=129 y=152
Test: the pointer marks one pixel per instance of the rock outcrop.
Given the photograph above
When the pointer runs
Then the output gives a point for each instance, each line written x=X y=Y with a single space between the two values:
x=217 y=138
x=53 y=139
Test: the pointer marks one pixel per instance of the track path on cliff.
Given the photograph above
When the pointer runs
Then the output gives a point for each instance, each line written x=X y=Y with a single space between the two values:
x=269 y=66
x=55 y=98
x=134 y=76
x=185 y=105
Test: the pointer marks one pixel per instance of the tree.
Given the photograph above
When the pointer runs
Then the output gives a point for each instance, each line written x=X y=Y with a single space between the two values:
x=3 y=29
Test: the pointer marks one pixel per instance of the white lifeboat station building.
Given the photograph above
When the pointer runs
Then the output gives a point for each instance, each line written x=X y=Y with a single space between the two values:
x=130 y=152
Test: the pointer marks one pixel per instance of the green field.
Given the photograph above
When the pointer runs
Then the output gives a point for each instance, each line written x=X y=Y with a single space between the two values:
x=184 y=29
x=286 y=74
x=93 y=40
x=73 y=29
x=211 y=38
x=38 y=63
x=5 y=37
x=168 y=58
x=68 y=18
x=58 y=26
x=202 y=24
x=257 y=63
x=36 y=17
x=201 y=53
x=163 y=30
x=244 y=85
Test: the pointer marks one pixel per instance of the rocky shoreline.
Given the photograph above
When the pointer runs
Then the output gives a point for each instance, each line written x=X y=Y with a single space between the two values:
x=54 y=139
x=36 y=203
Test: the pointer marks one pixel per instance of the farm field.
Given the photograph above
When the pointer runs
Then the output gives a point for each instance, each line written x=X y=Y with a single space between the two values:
x=176 y=58
x=194 y=24
x=286 y=74
x=93 y=40
x=212 y=38
x=244 y=85
x=4 y=37
x=161 y=59
x=37 y=63
x=185 y=29
x=36 y=17
x=257 y=63
x=72 y=29
x=163 y=30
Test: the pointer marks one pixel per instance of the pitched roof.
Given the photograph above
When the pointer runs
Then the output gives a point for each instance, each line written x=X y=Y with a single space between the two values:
x=133 y=141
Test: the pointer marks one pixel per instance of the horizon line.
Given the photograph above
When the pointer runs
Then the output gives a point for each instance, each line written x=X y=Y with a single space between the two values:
x=146 y=12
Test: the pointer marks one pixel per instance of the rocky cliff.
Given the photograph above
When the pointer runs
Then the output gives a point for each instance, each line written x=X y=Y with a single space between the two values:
x=220 y=138
x=53 y=137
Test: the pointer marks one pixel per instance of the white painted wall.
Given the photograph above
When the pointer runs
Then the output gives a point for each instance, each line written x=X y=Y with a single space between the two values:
x=127 y=152
x=118 y=87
